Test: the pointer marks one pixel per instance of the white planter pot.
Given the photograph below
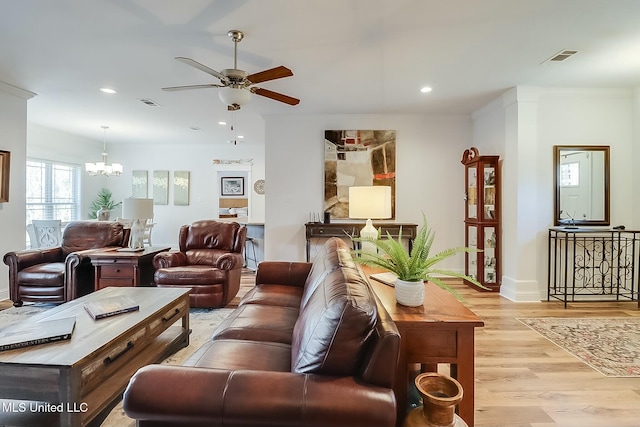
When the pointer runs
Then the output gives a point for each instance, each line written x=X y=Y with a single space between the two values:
x=410 y=294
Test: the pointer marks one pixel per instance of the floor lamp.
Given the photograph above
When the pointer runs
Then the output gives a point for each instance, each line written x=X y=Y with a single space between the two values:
x=369 y=202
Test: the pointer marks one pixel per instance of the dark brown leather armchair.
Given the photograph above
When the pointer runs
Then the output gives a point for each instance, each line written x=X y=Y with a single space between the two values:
x=209 y=262
x=62 y=273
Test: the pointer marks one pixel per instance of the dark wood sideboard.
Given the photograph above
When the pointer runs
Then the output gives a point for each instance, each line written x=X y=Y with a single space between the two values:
x=346 y=229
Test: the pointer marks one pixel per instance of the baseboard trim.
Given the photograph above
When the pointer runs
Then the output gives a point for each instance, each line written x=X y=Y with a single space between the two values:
x=520 y=290
x=4 y=294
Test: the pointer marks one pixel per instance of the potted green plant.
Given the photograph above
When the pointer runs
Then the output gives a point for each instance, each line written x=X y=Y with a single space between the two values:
x=102 y=205
x=412 y=269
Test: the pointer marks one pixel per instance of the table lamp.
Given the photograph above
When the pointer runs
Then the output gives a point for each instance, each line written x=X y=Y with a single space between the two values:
x=138 y=210
x=369 y=202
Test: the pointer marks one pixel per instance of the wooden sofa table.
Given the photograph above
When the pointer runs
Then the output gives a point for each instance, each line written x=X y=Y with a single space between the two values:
x=87 y=374
x=120 y=268
x=439 y=331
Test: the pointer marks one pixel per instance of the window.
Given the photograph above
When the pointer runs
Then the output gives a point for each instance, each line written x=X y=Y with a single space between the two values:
x=53 y=190
x=570 y=174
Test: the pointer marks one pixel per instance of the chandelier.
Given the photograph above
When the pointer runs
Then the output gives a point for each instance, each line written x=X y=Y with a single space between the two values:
x=103 y=167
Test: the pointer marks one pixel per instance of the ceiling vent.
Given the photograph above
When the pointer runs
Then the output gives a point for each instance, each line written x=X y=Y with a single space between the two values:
x=150 y=103
x=563 y=55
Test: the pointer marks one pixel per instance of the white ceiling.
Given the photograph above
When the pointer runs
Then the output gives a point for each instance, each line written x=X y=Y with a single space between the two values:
x=348 y=57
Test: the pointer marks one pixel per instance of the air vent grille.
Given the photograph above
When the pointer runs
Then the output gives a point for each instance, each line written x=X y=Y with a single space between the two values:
x=149 y=102
x=563 y=55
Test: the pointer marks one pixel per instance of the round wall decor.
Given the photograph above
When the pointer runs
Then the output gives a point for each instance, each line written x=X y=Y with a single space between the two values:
x=258 y=186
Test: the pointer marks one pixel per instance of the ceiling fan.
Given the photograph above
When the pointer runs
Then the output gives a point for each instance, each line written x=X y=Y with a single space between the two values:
x=236 y=86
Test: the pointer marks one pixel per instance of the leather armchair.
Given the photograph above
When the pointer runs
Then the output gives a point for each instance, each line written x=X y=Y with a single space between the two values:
x=61 y=273
x=209 y=261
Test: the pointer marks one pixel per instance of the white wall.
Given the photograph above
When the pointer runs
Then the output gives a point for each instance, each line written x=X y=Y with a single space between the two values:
x=564 y=117
x=204 y=185
x=430 y=177
x=13 y=122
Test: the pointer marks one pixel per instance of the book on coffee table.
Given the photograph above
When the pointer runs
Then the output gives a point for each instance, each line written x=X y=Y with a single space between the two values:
x=25 y=334
x=110 y=306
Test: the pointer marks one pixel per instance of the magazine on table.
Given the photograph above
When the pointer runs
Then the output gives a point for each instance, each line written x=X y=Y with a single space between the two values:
x=25 y=333
x=110 y=306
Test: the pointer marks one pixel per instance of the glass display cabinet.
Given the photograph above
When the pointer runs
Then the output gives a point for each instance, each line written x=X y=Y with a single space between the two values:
x=482 y=218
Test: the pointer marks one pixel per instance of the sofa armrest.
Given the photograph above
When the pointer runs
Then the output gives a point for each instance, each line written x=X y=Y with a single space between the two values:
x=283 y=273
x=230 y=261
x=214 y=397
x=20 y=260
x=169 y=259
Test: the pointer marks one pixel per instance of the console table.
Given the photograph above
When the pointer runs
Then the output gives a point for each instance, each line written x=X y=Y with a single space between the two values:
x=345 y=229
x=591 y=264
x=442 y=330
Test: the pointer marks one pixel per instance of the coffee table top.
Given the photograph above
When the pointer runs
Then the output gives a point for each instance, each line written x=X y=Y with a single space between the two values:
x=91 y=335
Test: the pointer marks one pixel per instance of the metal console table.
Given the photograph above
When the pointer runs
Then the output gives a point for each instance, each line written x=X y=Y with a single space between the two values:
x=590 y=264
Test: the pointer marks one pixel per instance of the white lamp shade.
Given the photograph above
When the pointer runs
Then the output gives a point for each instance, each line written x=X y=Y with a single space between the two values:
x=370 y=202
x=137 y=208
x=230 y=95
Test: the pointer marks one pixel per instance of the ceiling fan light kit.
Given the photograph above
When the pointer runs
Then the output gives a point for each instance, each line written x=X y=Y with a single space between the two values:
x=236 y=86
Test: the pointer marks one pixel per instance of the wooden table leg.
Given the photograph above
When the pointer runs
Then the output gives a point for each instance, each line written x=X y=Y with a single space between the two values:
x=463 y=371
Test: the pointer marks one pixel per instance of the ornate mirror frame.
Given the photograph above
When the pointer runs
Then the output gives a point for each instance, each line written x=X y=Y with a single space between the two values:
x=597 y=174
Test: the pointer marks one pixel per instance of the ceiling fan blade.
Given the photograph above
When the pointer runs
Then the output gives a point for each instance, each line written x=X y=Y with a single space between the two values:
x=201 y=67
x=275 y=96
x=272 y=74
x=207 y=86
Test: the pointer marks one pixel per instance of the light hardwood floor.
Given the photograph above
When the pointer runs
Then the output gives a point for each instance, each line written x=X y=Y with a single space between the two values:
x=524 y=380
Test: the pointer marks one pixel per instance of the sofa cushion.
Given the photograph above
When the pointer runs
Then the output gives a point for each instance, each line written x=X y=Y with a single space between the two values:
x=82 y=235
x=335 y=253
x=330 y=334
x=239 y=354
x=189 y=275
x=275 y=295
x=207 y=234
x=259 y=323
x=42 y=275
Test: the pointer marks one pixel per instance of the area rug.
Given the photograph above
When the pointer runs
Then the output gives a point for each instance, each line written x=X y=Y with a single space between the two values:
x=611 y=346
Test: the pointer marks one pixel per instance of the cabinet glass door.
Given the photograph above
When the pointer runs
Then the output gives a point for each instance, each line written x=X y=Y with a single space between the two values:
x=489 y=196
x=472 y=192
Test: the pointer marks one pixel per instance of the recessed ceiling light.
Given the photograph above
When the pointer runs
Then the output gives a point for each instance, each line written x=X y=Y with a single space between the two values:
x=107 y=90
x=222 y=123
x=240 y=136
x=426 y=89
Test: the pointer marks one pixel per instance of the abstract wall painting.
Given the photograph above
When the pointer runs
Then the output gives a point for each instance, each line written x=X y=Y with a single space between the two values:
x=355 y=158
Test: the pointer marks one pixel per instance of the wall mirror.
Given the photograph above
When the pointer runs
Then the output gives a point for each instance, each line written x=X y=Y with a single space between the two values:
x=581 y=180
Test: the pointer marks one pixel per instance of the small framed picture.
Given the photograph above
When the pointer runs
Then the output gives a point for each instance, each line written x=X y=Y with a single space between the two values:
x=232 y=186
x=5 y=157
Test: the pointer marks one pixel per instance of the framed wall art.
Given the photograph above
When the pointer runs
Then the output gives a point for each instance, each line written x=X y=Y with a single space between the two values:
x=232 y=186
x=160 y=187
x=5 y=163
x=139 y=185
x=357 y=158
x=181 y=188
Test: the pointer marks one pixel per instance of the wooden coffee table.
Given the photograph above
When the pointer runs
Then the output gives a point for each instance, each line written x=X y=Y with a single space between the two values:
x=86 y=375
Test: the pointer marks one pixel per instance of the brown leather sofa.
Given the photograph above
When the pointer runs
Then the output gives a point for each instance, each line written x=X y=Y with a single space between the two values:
x=62 y=273
x=310 y=345
x=209 y=261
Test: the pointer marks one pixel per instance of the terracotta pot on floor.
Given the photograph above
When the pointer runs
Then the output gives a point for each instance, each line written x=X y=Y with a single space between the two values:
x=440 y=395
